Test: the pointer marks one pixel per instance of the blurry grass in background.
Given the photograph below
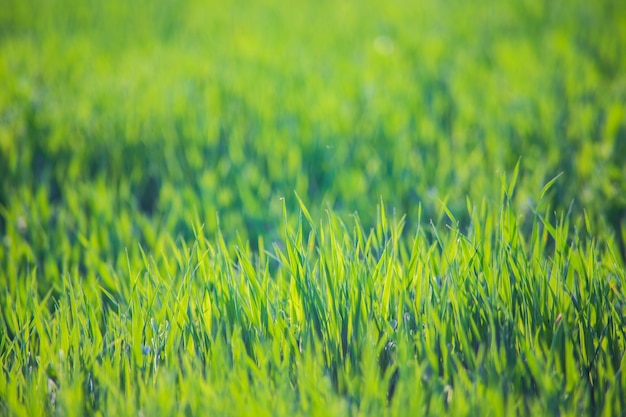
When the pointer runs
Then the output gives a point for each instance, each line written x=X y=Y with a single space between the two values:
x=225 y=107
x=124 y=126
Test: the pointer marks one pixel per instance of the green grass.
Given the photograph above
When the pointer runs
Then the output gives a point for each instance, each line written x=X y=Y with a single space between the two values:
x=312 y=208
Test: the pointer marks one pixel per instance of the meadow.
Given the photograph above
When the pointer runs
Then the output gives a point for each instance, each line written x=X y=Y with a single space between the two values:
x=302 y=208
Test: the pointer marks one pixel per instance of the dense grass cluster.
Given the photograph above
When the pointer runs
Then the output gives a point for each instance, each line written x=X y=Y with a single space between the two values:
x=312 y=208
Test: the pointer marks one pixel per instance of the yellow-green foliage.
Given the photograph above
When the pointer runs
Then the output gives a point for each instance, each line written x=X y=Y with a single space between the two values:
x=155 y=260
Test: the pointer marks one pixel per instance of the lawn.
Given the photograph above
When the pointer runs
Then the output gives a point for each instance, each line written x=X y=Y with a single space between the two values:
x=312 y=208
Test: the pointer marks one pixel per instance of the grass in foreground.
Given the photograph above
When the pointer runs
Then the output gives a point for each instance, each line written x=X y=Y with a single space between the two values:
x=331 y=319
x=125 y=126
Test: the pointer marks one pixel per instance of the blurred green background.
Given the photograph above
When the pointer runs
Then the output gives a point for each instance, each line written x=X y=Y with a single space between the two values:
x=127 y=121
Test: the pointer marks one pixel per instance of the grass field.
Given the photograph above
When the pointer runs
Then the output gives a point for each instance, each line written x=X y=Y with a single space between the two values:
x=312 y=208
